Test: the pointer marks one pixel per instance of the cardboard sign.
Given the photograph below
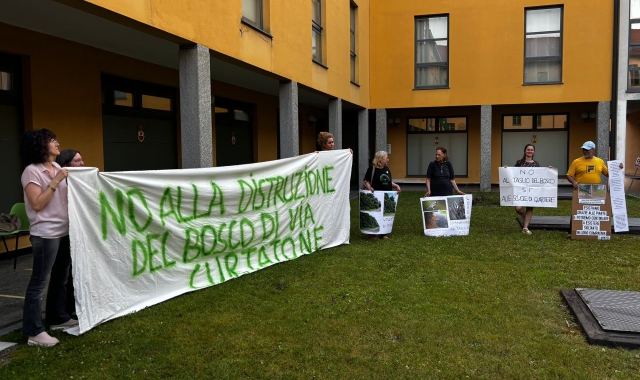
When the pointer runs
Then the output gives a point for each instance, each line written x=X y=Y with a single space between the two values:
x=591 y=213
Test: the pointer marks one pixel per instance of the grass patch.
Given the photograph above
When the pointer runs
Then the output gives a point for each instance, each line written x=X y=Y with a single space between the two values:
x=485 y=305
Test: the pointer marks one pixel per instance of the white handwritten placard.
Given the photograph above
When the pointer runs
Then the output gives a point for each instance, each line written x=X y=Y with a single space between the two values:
x=530 y=187
x=616 y=192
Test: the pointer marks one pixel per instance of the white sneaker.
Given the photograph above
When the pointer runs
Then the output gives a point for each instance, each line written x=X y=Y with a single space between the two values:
x=43 y=339
x=526 y=231
x=63 y=326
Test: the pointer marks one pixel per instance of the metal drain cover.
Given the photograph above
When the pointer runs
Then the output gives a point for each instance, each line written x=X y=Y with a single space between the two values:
x=614 y=310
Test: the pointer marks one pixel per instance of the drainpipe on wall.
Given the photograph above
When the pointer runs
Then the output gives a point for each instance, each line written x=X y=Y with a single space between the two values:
x=614 y=80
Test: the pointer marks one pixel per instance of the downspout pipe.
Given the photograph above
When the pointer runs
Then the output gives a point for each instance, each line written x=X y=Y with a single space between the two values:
x=614 y=79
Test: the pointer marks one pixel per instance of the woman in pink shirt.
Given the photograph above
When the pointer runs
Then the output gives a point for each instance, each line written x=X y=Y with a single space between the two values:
x=45 y=198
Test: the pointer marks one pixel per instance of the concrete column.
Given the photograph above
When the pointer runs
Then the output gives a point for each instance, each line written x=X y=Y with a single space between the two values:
x=381 y=129
x=289 y=123
x=195 y=107
x=485 y=148
x=621 y=131
x=363 y=143
x=335 y=122
x=602 y=130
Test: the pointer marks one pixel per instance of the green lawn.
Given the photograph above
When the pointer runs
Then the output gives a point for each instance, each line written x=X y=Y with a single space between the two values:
x=485 y=305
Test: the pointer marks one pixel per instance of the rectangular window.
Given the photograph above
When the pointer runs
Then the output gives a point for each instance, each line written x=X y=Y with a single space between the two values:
x=5 y=81
x=633 y=82
x=354 y=71
x=156 y=103
x=316 y=30
x=542 y=121
x=121 y=98
x=432 y=52
x=543 y=45
x=252 y=13
x=425 y=134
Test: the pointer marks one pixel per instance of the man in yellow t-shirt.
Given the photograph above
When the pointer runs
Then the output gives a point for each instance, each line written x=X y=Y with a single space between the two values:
x=588 y=168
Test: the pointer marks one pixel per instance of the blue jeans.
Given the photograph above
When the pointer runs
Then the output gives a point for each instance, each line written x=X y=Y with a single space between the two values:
x=51 y=258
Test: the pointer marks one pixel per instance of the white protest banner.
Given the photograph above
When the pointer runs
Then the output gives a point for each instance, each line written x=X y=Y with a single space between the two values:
x=140 y=238
x=530 y=187
x=446 y=216
x=377 y=211
x=618 y=200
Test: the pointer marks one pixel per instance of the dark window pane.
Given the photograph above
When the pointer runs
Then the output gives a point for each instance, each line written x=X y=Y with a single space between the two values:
x=433 y=51
x=543 y=45
x=432 y=76
x=316 y=46
x=251 y=12
x=540 y=72
x=543 y=20
x=121 y=98
x=5 y=81
x=156 y=103
x=316 y=11
x=518 y=122
x=430 y=28
x=456 y=123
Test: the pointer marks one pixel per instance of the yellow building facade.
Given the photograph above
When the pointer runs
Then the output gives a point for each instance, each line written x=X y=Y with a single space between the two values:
x=222 y=83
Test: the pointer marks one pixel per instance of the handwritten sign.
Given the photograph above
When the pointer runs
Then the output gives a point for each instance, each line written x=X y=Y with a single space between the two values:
x=140 y=238
x=531 y=187
x=618 y=200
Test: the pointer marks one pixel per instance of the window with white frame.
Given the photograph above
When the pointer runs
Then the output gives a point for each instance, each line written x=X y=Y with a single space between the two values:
x=543 y=45
x=316 y=30
x=432 y=52
x=252 y=13
x=633 y=83
x=354 y=67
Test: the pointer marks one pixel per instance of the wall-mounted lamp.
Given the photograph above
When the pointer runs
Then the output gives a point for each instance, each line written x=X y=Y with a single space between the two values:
x=587 y=117
x=312 y=120
x=394 y=122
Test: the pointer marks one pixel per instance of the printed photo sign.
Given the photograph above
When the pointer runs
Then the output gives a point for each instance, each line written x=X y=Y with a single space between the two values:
x=530 y=187
x=446 y=216
x=140 y=238
x=377 y=211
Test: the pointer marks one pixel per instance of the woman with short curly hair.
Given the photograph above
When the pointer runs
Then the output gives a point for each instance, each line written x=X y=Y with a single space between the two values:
x=46 y=204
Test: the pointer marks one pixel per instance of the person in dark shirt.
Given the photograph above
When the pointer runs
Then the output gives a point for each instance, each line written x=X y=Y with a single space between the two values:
x=440 y=177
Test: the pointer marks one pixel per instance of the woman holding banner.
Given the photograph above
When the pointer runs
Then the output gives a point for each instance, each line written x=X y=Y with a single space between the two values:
x=46 y=204
x=440 y=177
x=325 y=141
x=527 y=161
x=70 y=158
x=378 y=177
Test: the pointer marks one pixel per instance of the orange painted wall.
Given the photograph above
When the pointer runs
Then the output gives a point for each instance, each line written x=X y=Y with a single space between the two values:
x=217 y=25
x=65 y=86
x=486 y=50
